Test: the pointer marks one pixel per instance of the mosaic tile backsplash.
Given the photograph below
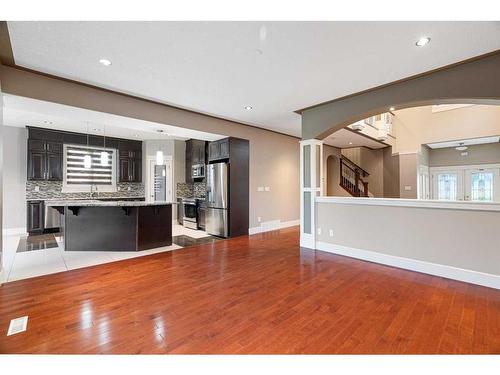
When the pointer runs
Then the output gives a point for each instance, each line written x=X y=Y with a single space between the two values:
x=52 y=190
x=187 y=190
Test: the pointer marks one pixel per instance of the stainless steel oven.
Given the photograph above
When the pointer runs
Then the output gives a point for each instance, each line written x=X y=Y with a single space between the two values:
x=189 y=217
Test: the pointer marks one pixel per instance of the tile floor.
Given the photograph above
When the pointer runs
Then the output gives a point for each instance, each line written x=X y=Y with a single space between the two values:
x=25 y=264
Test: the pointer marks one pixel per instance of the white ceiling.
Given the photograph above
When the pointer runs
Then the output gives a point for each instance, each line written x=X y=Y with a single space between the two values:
x=344 y=138
x=220 y=67
x=21 y=112
x=465 y=142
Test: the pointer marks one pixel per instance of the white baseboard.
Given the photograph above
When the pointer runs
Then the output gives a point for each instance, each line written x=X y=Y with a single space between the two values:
x=14 y=231
x=273 y=225
x=449 y=272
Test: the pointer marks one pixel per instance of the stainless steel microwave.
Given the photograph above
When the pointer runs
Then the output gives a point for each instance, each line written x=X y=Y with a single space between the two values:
x=198 y=171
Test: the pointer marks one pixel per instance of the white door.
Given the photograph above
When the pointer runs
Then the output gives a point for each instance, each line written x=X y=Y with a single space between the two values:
x=482 y=185
x=167 y=179
x=447 y=185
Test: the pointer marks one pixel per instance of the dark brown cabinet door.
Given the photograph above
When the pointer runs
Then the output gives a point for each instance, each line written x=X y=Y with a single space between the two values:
x=35 y=217
x=54 y=147
x=214 y=150
x=224 y=149
x=54 y=167
x=201 y=218
x=135 y=170
x=36 y=145
x=124 y=170
x=36 y=165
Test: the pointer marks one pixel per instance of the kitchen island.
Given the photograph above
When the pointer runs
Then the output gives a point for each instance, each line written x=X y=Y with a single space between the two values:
x=94 y=225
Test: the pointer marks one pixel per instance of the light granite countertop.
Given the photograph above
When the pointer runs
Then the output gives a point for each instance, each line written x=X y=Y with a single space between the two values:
x=81 y=199
x=98 y=203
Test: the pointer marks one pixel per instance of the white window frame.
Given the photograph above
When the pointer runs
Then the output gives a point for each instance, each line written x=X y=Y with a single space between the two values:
x=461 y=172
x=86 y=188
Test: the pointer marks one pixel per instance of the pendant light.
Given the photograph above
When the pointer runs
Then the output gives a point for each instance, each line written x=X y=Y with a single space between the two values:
x=104 y=153
x=87 y=159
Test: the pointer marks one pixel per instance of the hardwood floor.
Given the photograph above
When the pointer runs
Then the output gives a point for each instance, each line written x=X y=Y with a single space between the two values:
x=258 y=294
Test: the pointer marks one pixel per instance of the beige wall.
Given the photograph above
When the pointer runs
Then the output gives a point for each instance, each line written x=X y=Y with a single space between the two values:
x=408 y=176
x=442 y=236
x=14 y=177
x=479 y=154
x=391 y=174
x=416 y=126
x=274 y=158
x=1 y=181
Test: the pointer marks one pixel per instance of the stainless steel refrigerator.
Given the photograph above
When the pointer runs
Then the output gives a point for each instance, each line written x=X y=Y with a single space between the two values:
x=216 y=220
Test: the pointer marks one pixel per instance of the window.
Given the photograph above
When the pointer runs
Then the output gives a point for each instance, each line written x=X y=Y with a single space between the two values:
x=481 y=186
x=447 y=186
x=79 y=178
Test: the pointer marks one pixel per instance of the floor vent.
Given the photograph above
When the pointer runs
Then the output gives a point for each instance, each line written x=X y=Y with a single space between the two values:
x=17 y=325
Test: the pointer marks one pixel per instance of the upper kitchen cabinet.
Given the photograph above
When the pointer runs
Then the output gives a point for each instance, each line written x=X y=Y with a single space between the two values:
x=218 y=150
x=130 y=160
x=45 y=160
x=46 y=149
x=196 y=155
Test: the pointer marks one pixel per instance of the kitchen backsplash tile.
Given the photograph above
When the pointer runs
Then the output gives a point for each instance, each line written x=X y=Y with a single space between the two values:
x=53 y=190
x=187 y=190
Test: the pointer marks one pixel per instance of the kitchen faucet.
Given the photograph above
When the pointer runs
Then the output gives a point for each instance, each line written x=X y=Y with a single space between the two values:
x=93 y=192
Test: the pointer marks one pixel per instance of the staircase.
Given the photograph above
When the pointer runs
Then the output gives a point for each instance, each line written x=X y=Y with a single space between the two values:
x=351 y=178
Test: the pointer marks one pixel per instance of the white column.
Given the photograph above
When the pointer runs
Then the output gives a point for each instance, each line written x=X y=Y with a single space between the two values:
x=311 y=177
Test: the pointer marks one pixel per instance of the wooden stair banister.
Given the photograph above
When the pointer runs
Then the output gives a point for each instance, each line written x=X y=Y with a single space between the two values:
x=351 y=178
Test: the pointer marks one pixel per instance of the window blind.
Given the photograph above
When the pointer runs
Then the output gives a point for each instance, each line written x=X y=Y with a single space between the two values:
x=97 y=174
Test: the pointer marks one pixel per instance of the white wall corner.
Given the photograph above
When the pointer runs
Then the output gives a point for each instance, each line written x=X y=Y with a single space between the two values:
x=271 y=225
x=449 y=272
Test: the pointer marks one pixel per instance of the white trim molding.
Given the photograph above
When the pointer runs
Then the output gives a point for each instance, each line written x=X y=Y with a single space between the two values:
x=14 y=231
x=449 y=272
x=416 y=203
x=314 y=170
x=268 y=226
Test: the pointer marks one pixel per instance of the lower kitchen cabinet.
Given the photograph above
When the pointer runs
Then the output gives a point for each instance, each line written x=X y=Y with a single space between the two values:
x=201 y=217
x=34 y=217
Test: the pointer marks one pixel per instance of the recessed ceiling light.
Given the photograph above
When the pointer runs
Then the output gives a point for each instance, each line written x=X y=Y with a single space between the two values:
x=48 y=122
x=423 y=41
x=392 y=109
x=105 y=62
x=350 y=143
x=461 y=147
x=248 y=108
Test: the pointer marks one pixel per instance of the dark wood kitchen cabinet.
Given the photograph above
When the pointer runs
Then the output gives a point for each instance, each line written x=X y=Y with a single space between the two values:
x=46 y=149
x=218 y=150
x=45 y=160
x=196 y=153
x=130 y=166
x=34 y=216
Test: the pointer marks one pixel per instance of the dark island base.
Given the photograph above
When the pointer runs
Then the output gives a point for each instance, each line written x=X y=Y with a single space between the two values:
x=117 y=228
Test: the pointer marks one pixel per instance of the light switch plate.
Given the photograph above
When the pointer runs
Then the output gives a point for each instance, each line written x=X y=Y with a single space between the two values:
x=260 y=188
x=319 y=231
x=407 y=187
x=37 y=188
x=331 y=232
x=267 y=188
